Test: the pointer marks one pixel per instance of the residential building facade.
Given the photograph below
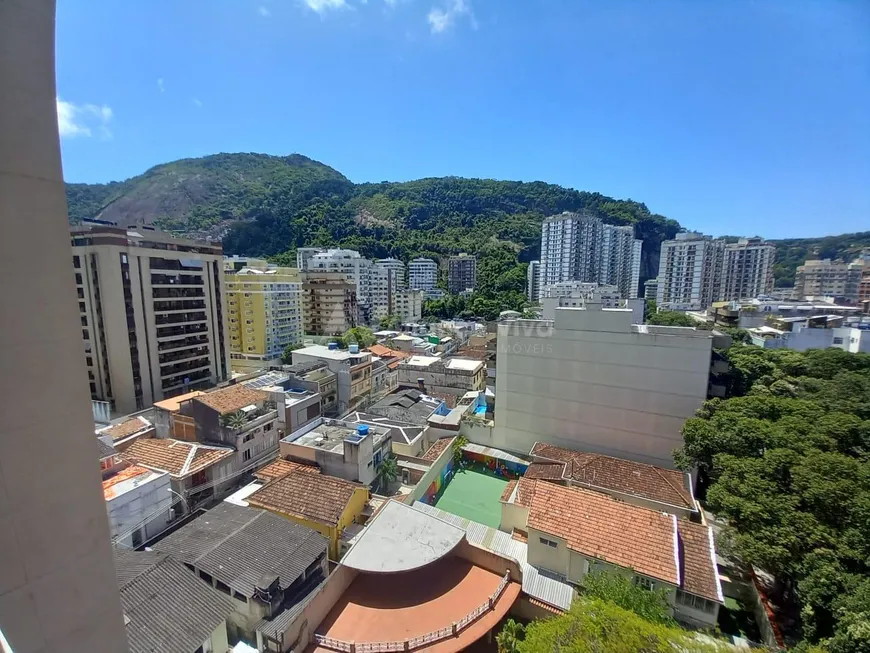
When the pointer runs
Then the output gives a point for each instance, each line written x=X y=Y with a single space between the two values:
x=352 y=368
x=592 y=380
x=533 y=281
x=398 y=269
x=152 y=313
x=827 y=278
x=461 y=273
x=651 y=289
x=747 y=269
x=264 y=309
x=690 y=272
x=422 y=274
x=139 y=504
x=454 y=376
x=580 y=247
x=329 y=303
x=408 y=305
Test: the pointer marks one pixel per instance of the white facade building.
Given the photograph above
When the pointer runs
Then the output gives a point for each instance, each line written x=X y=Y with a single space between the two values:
x=690 y=272
x=650 y=289
x=533 y=281
x=398 y=269
x=422 y=274
x=747 y=269
x=592 y=380
x=576 y=247
x=826 y=278
x=408 y=305
x=138 y=503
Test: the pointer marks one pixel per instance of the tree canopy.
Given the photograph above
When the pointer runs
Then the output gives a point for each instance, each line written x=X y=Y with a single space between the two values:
x=787 y=455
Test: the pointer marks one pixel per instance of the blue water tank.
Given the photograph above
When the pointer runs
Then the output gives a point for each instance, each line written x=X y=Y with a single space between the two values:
x=332 y=345
x=354 y=349
x=362 y=429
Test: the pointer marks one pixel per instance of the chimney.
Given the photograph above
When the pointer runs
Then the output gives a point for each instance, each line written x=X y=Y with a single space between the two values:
x=421 y=386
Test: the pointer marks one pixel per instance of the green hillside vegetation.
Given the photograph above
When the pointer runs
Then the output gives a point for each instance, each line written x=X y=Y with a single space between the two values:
x=793 y=252
x=267 y=205
x=787 y=455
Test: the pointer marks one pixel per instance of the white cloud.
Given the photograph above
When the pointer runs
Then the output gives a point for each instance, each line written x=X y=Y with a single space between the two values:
x=442 y=18
x=321 y=6
x=197 y=102
x=160 y=85
x=264 y=11
x=83 y=119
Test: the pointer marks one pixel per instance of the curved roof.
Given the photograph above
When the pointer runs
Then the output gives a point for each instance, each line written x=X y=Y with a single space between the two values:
x=402 y=538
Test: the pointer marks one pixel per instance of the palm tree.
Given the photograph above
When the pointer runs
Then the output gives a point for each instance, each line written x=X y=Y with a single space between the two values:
x=388 y=472
x=510 y=636
x=236 y=420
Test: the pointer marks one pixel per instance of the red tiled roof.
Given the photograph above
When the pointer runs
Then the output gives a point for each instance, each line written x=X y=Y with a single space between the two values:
x=386 y=352
x=126 y=428
x=180 y=459
x=316 y=497
x=436 y=449
x=508 y=490
x=525 y=491
x=232 y=398
x=700 y=576
x=130 y=472
x=595 y=525
x=545 y=471
x=519 y=536
x=545 y=606
x=280 y=467
x=647 y=481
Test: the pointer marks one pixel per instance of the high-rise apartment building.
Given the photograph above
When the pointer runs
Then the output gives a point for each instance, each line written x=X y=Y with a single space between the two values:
x=690 y=272
x=650 y=289
x=408 y=305
x=152 y=314
x=580 y=247
x=382 y=287
x=533 y=281
x=461 y=273
x=826 y=278
x=747 y=269
x=264 y=313
x=398 y=269
x=422 y=274
x=329 y=303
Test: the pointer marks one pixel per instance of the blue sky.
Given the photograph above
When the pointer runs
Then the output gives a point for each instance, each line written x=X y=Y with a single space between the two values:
x=732 y=117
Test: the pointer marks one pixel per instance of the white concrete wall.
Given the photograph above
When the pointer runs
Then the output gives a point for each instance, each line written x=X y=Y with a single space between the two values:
x=592 y=382
x=145 y=507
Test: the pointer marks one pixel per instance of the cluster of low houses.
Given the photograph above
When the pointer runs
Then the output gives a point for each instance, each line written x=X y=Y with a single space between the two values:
x=252 y=513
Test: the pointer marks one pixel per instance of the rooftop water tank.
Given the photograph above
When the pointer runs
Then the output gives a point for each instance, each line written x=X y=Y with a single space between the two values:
x=362 y=429
x=354 y=349
x=332 y=346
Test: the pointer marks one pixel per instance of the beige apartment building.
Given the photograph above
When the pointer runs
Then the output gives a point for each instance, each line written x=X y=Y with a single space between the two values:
x=329 y=303
x=747 y=269
x=152 y=314
x=827 y=278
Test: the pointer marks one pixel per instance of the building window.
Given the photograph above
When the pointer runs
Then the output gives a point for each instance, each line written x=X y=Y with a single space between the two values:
x=248 y=437
x=838 y=341
x=549 y=543
x=238 y=596
x=223 y=587
x=268 y=427
x=246 y=455
x=695 y=602
x=85 y=334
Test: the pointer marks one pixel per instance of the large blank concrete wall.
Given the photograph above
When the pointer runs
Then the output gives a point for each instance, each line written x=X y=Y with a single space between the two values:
x=57 y=580
x=592 y=382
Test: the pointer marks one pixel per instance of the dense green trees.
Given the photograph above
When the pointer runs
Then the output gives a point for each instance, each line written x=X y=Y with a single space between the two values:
x=594 y=625
x=671 y=318
x=788 y=459
x=620 y=589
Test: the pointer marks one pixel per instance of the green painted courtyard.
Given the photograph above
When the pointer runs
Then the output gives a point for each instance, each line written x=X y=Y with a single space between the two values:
x=475 y=496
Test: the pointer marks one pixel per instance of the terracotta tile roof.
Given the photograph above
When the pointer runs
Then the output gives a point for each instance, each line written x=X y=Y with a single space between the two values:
x=700 y=576
x=508 y=490
x=545 y=471
x=130 y=472
x=174 y=403
x=126 y=428
x=180 y=459
x=525 y=491
x=519 y=536
x=395 y=355
x=595 y=525
x=647 y=481
x=316 y=497
x=280 y=467
x=545 y=606
x=436 y=449
x=232 y=398
x=449 y=400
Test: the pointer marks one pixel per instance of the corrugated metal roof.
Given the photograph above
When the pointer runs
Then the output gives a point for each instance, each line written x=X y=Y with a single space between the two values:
x=495 y=453
x=537 y=583
x=166 y=607
x=239 y=545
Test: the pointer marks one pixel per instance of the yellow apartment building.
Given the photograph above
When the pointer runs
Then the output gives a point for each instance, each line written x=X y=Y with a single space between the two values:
x=264 y=313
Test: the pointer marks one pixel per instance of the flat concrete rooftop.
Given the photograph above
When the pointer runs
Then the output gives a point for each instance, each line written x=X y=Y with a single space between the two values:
x=402 y=538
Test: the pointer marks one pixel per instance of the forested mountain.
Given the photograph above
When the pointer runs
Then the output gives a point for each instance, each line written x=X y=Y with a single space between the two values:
x=793 y=252
x=270 y=205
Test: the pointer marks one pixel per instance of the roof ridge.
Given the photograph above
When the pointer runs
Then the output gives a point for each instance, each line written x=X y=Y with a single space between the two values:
x=132 y=581
x=187 y=461
x=232 y=533
x=679 y=491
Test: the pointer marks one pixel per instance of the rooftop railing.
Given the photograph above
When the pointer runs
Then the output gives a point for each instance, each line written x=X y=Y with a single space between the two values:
x=447 y=632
